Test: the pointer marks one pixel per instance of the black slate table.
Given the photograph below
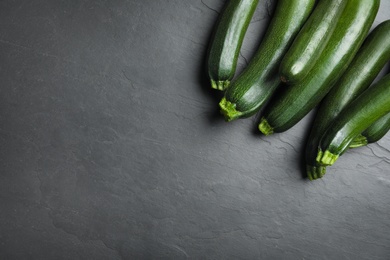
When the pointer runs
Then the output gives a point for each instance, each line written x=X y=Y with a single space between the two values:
x=112 y=146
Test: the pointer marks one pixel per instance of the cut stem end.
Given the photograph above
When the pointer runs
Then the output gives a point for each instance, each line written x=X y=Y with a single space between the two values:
x=315 y=172
x=265 y=127
x=228 y=110
x=359 y=141
x=220 y=84
x=326 y=158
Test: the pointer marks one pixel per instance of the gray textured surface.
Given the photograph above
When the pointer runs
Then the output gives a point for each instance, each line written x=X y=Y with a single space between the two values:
x=112 y=147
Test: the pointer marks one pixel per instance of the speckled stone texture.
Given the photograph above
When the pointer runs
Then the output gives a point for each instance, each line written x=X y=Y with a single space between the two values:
x=112 y=147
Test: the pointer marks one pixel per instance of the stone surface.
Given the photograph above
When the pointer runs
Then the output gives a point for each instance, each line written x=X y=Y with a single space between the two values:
x=112 y=146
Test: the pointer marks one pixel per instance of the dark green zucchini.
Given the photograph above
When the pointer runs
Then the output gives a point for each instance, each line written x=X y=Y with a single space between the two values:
x=296 y=101
x=227 y=40
x=370 y=106
x=373 y=133
x=253 y=87
x=311 y=40
x=378 y=129
x=366 y=65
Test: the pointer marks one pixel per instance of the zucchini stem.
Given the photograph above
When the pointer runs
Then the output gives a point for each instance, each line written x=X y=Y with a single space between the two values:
x=315 y=172
x=220 y=84
x=265 y=127
x=326 y=158
x=358 y=141
x=228 y=110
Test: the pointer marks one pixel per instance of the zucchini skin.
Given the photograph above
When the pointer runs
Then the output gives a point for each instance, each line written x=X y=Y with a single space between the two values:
x=311 y=40
x=254 y=86
x=373 y=133
x=295 y=102
x=370 y=106
x=227 y=41
x=366 y=65
x=378 y=129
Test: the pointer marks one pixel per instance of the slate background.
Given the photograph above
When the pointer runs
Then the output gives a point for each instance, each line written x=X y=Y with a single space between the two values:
x=112 y=146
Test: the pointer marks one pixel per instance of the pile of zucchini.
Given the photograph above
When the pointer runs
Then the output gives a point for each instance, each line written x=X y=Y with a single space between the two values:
x=314 y=54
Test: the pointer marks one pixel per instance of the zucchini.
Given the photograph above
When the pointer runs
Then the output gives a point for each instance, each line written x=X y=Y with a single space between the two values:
x=378 y=129
x=311 y=40
x=253 y=87
x=373 y=133
x=227 y=40
x=370 y=106
x=366 y=65
x=293 y=103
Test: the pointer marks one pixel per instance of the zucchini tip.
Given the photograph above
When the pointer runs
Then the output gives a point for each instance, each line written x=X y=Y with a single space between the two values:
x=283 y=79
x=265 y=127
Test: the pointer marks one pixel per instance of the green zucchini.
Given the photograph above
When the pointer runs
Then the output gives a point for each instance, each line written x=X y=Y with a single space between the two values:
x=227 y=40
x=253 y=87
x=378 y=129
x=373 y=133
x=293 y=103
x=311 y=40
x=370 y=106
x=366 y=65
